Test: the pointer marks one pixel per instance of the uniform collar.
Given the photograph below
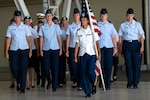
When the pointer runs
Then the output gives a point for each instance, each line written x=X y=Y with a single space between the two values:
x=102 y=23
x=88 y=28
x=76 y=24
x=132 y=23
x=48 y=25
x=14 y=24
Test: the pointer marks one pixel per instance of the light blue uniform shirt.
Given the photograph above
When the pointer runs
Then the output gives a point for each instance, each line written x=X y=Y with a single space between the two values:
x=72 y=30
x=130 y=31
x=63 y=35
x=50 y=34
x=18 y=35
x=107 y=30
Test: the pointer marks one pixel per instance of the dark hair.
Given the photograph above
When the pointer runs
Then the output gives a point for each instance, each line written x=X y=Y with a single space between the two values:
x=11 y=21
x=134 y=18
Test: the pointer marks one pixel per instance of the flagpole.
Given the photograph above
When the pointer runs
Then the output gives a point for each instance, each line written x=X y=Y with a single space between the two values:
x=92 y=28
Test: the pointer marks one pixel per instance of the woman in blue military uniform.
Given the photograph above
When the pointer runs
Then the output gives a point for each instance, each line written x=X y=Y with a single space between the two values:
x=18 y=49
x=87 y=57
x=50 y=49
x=70 y=46
x=34 y=59
x=131 y=36
x=108 y=45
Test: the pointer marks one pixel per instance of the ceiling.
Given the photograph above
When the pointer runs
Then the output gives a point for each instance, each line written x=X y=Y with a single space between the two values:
x=6 y=3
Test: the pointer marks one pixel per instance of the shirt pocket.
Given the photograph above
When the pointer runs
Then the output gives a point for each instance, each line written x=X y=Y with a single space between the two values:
x=89 y=38
x=13 y=32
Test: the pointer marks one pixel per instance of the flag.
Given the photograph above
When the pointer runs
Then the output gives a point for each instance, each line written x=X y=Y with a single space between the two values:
x=97 y=69
x=94 y=27
x=92 y=17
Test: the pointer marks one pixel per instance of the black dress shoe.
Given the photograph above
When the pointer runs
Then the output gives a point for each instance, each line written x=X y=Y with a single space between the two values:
x=80 y=88
x=33 y=86
x=100 y=85
x=88 y=96
x=129 y=85
x=22 y=91
x=60 y=85
x=18 y=87
x=108 y=88
x=111 y=81
x=12 y=86
x=74 y=85
x=54 y=90
x=115 y=78
x=48 y=87
x=28 y=88
x=135 y=87
x=93 y=90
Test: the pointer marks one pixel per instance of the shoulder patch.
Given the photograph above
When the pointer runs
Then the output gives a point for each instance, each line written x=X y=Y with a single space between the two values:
x=135 y=19
x=123 y=22
x=109 y=21
x=78 y=29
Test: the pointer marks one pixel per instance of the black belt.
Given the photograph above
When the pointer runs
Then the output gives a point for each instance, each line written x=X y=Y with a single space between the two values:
x=130 y=41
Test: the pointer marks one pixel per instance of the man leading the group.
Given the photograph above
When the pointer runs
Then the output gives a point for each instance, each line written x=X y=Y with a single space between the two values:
x=87 y=56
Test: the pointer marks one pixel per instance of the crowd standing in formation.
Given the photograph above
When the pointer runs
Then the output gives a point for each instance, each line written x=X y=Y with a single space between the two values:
x=47 y=47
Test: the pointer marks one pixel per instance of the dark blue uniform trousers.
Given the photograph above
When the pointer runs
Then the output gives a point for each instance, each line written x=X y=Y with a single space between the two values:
x=139 y=67
x=87 y=69
x=115 y=64
x=131 y=52
x=62 y=68
x=51 y=64
x=73 y=66
x=19 y=66
x=106 y=63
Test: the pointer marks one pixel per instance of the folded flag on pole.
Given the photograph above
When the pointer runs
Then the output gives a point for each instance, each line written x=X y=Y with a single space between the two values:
x=93 y=19
x=94 y=27
x=97 y=70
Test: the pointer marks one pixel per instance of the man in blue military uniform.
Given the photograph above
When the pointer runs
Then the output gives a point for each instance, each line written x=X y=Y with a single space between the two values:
x=62 y=59
x=18 y=48
x=50 y=49
x=70 y=46
x=108 y=45
x=85 y=40
x=131 y=36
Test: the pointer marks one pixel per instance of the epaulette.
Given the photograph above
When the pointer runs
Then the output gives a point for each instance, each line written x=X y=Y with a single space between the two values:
x=78 y=29
x=135 y=19
x=123 y=22
x=109 y=21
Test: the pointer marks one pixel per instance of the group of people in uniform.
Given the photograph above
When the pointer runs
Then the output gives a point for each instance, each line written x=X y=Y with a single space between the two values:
x=45 y=49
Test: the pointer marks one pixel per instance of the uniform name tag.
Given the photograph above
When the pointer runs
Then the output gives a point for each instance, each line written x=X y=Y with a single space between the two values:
x=79 y=35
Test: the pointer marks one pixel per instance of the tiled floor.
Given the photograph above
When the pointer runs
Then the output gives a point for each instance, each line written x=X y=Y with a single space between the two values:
x=118 y=92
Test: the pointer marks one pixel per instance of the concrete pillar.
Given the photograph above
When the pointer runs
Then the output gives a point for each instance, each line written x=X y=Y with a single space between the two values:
x=67 y=8
x=147 y=30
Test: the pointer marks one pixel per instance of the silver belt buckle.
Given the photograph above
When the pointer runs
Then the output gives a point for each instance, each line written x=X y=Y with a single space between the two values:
x=130 y=40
